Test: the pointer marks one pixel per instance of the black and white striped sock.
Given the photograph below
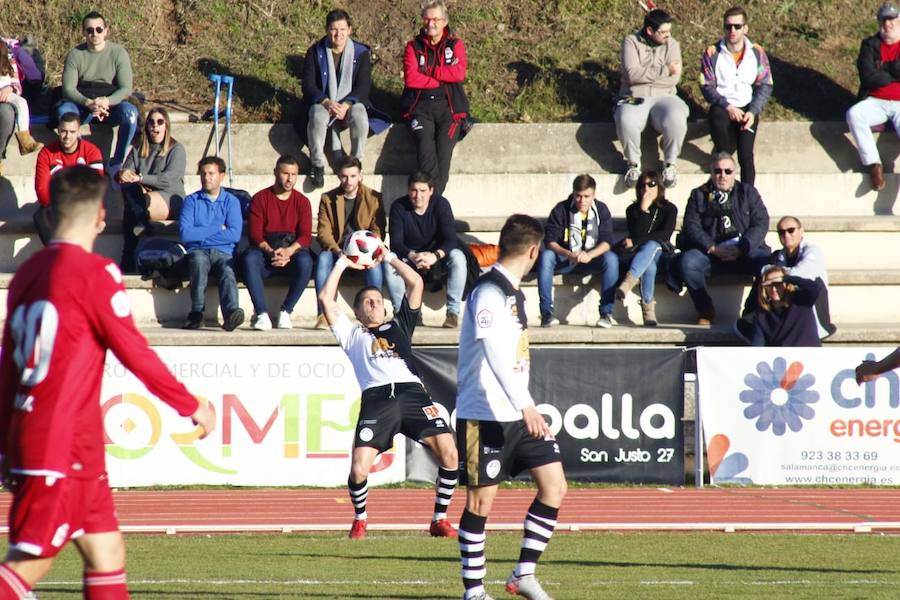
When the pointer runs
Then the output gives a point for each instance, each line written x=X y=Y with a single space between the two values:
x=539 y=525
x=471 y=552
x=443 y=492
x=359 y=493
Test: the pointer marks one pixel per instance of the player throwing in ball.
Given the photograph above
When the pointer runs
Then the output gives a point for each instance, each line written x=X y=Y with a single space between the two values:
x=498 y=429
x=393 y=397
x=66 y=307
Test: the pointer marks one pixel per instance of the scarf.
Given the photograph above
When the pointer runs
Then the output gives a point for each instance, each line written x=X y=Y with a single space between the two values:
x=339 y=88
x=576 y=243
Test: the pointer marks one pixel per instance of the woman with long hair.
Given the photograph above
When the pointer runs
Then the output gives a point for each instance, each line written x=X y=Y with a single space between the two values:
x=651 y=221
x=11 y=93
x=785 y=315
x=152 y=180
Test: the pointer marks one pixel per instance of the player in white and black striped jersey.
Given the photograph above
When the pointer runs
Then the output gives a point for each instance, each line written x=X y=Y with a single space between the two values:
x=393 y=397
x=498 y=429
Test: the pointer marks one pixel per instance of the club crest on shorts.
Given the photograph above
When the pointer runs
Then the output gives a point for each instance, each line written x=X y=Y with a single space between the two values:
x=492 y=469
x=431 y=412
x=366 y=434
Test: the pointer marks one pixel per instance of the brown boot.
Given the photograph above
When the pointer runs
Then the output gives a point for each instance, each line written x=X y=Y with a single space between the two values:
x=648 y=310
x=626 y=286
x=27 y=144
x=451 y=322
x=876 y=173
x=706 y=317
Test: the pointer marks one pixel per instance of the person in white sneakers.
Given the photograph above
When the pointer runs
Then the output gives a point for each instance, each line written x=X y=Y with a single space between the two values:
x=498 y=429
x=280 y=231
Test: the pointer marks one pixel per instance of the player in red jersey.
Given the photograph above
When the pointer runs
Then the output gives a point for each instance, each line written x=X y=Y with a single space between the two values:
x=66 y=307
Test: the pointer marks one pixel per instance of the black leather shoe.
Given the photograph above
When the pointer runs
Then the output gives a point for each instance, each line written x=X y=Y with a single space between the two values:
x=194 y=320
x=233 y=320
x=317 y=176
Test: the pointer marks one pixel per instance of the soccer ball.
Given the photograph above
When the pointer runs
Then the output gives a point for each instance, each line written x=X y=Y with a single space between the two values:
x=363 y=248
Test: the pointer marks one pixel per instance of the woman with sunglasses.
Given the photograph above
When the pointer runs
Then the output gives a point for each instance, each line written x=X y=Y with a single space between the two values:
x=651 y=221
x=152 y=180
x=785 y=315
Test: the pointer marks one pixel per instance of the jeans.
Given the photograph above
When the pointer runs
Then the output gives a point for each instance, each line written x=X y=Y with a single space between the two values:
x=7 y=126
x=643 y=266
x=696 y=266
x=317 y=131
x=201 y=263
x=549 y=263
x=325 y=263
x=257 y=267
x=124 y=114
x=456 y=281
x=864 y=115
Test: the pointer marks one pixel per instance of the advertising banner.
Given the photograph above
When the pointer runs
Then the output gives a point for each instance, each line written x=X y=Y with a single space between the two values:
x=797 y=416
x=616 y=412
x=284 y=416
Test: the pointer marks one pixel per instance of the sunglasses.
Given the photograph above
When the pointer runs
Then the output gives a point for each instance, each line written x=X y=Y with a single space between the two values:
x=789 y=230
x=650 y=184
x=93 y=30
x=723 y=171
x=733 y=26
x=156 y=121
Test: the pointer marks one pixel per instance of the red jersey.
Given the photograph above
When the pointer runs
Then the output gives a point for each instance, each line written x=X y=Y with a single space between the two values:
x=65 y=308
x=51 y=159
x=268 y=215
x=891 y=91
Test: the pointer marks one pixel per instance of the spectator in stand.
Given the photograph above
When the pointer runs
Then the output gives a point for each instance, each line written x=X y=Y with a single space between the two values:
x=423 y=234
x=30 y=66
x=651 y=221
x=736 y=80
x=210 y=226
x=337 y=80
x=69 y=150
x=280 y=232
x=434 y=101
x=578 y=239
x=798 y=258
x=651 y=69
x=785 y=314
x=349 y=207
x=11 y=93
x=152 y=181
x=96 y=83
x=878 y=64
x=724 y=231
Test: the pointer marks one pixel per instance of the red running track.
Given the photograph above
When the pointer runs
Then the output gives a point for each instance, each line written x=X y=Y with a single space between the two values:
x=604 y=509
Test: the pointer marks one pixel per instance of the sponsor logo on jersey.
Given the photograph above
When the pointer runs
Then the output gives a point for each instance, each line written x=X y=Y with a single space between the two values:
x=484 y=318
x=366 y=434
x=381 y=347
x=492 y=469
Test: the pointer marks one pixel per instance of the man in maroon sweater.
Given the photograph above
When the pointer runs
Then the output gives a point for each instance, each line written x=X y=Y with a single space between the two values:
x=69 y=150
x=280 y=232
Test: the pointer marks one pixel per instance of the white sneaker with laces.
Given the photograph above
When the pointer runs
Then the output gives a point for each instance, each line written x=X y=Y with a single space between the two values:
x=284 y=320
x=632 y=175
x=481 y=596
x=669 y=175
x=606 y=321
x=261 y=322
x=526 y=586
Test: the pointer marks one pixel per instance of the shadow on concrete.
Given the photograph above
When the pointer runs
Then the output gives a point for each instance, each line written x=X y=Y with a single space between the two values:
x=795 y=85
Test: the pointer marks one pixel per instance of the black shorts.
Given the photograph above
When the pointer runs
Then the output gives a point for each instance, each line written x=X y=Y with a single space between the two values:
x=491 y=452
x=402 y=408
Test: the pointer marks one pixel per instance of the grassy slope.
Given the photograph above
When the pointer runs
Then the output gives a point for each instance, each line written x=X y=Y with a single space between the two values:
x=676 y=566
x=545 y=60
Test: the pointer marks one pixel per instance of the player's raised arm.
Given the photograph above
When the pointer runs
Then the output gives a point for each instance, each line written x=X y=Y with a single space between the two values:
x=415 y=287
x=328 y=295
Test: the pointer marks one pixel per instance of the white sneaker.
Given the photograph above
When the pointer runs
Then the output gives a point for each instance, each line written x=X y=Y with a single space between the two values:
x=261 y=322
x=284 y=320
x=526 y=586
x=481 y=596
x=606 y=321
x=669 y=175
x=632 y=175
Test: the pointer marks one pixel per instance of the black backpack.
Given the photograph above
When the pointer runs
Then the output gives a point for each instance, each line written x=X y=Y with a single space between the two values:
x=164 y=261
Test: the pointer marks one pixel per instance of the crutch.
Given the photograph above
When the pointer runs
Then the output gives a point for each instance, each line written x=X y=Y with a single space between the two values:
x=229 y=81
x=217 y=80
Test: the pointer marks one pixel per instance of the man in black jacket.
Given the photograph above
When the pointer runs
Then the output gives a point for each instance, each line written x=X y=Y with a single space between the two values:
x=724 y=231
x=337 y=79
x=879 y=90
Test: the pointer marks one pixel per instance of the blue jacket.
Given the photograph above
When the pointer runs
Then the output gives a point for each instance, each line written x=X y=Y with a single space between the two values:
x=211 y=224
x=751 y=219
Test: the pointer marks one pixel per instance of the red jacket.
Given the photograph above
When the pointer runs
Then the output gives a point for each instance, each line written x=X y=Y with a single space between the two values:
x=51 y=159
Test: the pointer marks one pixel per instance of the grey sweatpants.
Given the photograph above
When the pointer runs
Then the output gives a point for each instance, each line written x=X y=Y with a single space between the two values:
x=667 y=114
x=317 y=130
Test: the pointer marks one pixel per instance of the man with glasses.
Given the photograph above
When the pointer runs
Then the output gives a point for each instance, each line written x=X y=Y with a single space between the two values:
x=651 y=69
x=337 y=80
x=736 y=80
x=724 y=231
x=96 y=83
x=433 y=101
x=799 y=258
x=878 y=64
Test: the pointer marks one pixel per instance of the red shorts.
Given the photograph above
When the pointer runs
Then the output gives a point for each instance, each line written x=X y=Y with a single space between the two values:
x=46 y=512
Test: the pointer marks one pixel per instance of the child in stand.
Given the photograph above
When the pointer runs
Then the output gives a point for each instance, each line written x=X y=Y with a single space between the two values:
x=9 y=78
